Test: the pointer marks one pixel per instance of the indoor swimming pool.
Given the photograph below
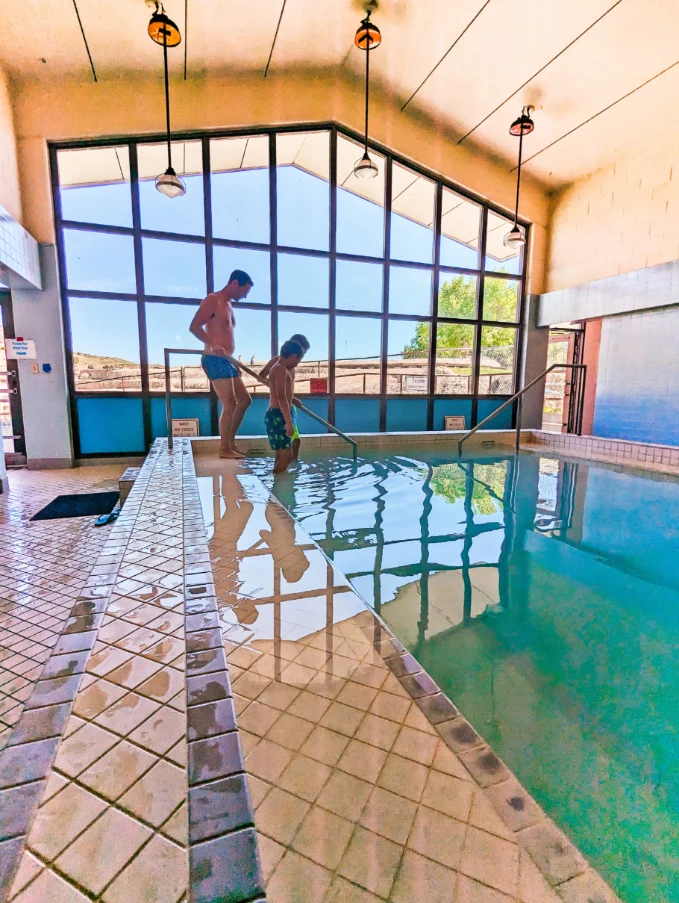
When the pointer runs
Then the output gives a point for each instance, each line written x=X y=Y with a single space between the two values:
x=542 y=595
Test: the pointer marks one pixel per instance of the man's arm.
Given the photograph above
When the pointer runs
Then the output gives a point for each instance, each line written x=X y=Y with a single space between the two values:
x=203 y=314
x=264 y=373
x=279 y=382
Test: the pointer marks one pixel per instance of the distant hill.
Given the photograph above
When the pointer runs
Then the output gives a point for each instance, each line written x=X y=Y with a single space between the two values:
x=97 y=362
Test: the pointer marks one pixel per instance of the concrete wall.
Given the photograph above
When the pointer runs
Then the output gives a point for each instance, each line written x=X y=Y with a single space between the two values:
x=10 y=194
x=638 y=381
x=44 y=396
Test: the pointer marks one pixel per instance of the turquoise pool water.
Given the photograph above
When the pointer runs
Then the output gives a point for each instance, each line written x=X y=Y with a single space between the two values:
x=543 y=596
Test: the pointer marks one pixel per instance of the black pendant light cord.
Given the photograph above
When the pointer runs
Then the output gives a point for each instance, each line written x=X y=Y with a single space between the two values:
x=367 y=84
x=167 y=100
x=518 y=179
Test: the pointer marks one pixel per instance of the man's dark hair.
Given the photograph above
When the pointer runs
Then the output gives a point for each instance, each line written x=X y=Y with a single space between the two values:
x=289 y=348
x=301 y=340
x=241 y=277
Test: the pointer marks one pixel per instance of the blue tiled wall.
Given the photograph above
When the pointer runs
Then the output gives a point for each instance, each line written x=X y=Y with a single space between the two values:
x=110 y=425
x=406 y=415
x=637 y=394
x=502 y=421
x=358 y=415
x=443 y=406
x=182 y=408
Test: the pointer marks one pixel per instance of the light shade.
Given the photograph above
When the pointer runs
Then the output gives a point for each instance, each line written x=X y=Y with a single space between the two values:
x=163 y=30
x=170 y=184
x=524 y=125
x=365 y=168
x=368 y=36
x=514 y=238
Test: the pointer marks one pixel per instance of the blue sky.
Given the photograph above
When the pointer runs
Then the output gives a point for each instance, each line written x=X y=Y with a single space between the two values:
x=240 y=202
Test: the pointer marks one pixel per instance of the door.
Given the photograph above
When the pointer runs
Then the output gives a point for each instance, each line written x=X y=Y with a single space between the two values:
x=561 y=388
x=11 y=419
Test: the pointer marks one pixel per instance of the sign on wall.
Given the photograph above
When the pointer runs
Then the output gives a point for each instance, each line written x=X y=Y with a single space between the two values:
x=16 y=349
x=318 y=385
x=454 y=422
x=416 y=383
x=187 y=427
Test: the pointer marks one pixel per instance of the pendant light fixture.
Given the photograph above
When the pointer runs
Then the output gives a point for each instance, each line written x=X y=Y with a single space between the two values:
x=163 y=31
x=367 y=38
x=524 y=125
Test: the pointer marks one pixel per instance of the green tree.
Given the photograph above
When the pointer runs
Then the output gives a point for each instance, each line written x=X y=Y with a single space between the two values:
x=449 y=481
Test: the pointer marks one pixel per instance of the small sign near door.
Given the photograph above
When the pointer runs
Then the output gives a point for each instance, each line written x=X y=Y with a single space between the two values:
x=416 y=383
x=16 y=349
x=186 y=428
x=318 y=385
x=454 y=422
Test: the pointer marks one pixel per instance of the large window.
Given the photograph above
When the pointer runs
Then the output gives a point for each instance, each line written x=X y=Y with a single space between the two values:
x=401 y=283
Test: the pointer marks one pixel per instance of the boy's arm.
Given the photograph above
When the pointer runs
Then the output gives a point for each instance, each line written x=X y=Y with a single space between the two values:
x=264 y=372
x=278 y=380
x=203 y=314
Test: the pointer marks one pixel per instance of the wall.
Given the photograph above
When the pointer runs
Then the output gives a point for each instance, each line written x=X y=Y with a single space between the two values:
x=590 y=358
x=68 y=109
x=616 y=220
x=10 y=195
x=638 y=381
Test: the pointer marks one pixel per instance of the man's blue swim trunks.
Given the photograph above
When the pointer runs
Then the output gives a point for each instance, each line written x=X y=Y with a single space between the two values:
x=217 y=367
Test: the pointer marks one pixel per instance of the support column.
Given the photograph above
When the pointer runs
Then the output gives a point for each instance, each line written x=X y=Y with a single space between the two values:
x=535 y=346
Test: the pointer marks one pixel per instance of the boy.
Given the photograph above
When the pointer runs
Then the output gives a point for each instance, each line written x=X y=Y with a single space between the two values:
x=280 y=418
x=264 y=374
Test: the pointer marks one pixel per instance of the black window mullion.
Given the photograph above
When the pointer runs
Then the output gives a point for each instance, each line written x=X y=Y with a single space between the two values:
x=273 y=227
x=332 y=331
x=438 y=206
x=141 y=306
x=385 y=294
x=209 y=262
x=476 y=360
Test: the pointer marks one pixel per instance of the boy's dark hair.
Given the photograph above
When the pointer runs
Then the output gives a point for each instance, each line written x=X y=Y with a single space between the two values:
x=301 y=340
x=241 y=277
x=289 y=348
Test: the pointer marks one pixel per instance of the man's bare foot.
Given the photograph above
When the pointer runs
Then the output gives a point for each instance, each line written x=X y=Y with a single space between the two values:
x=231 y=454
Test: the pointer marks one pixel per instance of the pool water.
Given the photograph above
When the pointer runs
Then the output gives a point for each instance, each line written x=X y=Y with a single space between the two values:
x=543 y=596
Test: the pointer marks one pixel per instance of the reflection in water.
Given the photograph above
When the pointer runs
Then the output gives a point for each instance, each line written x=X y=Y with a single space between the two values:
x=543 y=597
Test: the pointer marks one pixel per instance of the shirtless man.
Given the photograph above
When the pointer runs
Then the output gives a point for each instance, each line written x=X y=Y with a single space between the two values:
x=280 y=418
x=264 y=374
x=214 y=325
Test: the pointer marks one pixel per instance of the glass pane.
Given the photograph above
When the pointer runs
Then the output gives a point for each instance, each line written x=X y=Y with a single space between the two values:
x=359 y=285
x=457 y=295
x=500 y=299
x=303 y=281
x=357 y=355
x=97 y=262
x=174 y=268
x=454 y=356
x=360 y=202
x=167 y=326
x=185 y=214
x=498 y=258
x=253 y=344
x=409 y=291
x=105 y=342
x=497 y=360
x=460 y=227
x=412 y=216
x=257 y=264
x=240 y=188
x=407 y=357
x=312 y=373
x=303 y=189
x=94 y=185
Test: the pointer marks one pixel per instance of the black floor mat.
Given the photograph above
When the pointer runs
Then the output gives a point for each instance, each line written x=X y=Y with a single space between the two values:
x=84 y=505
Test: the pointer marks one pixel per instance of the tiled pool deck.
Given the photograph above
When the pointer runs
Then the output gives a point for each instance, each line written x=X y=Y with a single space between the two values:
x=349 y=777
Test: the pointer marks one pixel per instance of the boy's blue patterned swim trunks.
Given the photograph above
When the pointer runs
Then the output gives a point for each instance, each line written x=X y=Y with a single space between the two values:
x=217 y=367
x=275 y=428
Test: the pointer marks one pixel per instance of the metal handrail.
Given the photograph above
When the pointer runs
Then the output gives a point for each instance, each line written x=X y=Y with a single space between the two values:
x=239 y=365
x=518 y=396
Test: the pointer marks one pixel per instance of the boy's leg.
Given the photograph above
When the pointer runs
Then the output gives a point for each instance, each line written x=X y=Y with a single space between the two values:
x=295 y=448
x=283 y=459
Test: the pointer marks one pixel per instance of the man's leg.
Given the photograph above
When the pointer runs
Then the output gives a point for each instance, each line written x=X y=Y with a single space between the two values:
x=243 y=402
x=227 y=396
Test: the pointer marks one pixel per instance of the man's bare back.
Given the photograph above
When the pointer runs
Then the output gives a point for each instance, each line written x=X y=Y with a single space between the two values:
x=220 y=325
x=281 y=386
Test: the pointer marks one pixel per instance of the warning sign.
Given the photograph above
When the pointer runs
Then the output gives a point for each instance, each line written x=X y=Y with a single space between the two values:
x=186 y=428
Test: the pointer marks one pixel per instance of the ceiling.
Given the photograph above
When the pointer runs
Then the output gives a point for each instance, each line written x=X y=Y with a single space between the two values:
x=469 y=65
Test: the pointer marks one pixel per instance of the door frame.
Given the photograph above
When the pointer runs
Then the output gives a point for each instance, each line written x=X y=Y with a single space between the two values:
x=14 y=381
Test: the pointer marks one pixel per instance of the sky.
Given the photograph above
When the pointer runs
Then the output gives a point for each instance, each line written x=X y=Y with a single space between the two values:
x=240 y=205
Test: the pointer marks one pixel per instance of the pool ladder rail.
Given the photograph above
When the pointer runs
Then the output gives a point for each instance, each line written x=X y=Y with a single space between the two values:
x=577 y=387
x=240 y=366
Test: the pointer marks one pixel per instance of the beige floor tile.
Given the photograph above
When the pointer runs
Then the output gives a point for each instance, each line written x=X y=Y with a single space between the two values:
x=61 y=819
x=325 y=684
x=371 y=861
x=312 y=658
x=29 y=869
x=290 y=731
x=297 y=675
x=309 y=706
x=404 y=777
x=280 y=815
x=387 y=705
x=116 y=771
x=163 y=685
x=177 y=827
x=133 y=672
x=325 y=745
x=258 y=790
x=343 y=891
x=126 y=714
x=55 y=783
x=344 y=795
x=82 y=748
x=74 y=723
x=270 y=854
x=179 y=753
x=158 y=875
x=161 y=731
x=491 y=860
x=448 y=794
x=268 y=761
x=389 y=815
x=279 y=695
x=342 y=718
x=362 y=760
x=378 y=731
x=437 y=837
x=49 y=886
x=533 y=886
x=109 y=658
x=416 y=745
x=157 y=794
x=305 y=777
x=240 y=704
x=104 y=848
x=248 y=741
x=484 y=816
x=96 y=698
x=357 y=695
x=421 y=879
x=418 y=721
x=446 y=761
x=470 y=891
x=323 y=837
x=258 y=718
x=370 y=675
x=250 y=685
x=297 y=878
